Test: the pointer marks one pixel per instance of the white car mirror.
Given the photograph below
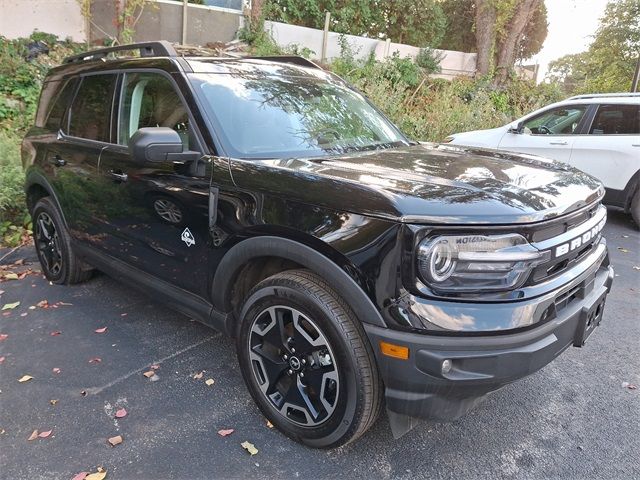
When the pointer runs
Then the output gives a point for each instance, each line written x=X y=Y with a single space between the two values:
x=516 y=127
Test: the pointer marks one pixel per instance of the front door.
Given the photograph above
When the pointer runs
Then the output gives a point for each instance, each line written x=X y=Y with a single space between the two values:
x=548 y=134
x=157 y=212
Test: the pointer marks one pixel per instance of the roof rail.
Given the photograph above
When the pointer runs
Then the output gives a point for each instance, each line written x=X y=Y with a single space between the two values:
x=294 y=59
x=160 y=48
x=605 y=95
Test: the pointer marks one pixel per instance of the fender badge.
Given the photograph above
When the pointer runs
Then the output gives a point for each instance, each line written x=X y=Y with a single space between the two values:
x=187 y=237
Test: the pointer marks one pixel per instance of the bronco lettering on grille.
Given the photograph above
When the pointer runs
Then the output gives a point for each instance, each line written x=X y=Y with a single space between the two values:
x=583 y=239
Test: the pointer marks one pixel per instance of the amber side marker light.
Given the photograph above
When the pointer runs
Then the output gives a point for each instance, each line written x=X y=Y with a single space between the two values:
x=395 y=351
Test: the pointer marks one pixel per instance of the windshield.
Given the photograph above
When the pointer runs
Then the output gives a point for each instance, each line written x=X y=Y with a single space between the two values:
x=279 y=117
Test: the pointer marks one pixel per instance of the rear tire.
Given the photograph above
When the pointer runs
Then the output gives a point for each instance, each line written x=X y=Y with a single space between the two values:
x=306 y=360
x=53 y=245
x=635 y=208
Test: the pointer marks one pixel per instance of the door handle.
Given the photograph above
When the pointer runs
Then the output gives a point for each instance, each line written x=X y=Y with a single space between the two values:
x=558 y=143
x=57 y=161
x=119 y=176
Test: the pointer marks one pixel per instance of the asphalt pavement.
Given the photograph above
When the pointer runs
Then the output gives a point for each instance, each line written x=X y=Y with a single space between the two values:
x=575 y=418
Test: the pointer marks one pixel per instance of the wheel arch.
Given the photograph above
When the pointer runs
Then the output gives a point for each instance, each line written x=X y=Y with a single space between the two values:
x=262 y=256
x=36 y=187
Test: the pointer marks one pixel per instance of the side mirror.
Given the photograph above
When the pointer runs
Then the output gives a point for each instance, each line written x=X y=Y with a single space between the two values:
x=159 y=144
x=516 y=127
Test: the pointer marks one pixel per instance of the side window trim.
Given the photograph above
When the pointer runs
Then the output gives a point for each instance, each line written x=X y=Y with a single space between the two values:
x=199 y=146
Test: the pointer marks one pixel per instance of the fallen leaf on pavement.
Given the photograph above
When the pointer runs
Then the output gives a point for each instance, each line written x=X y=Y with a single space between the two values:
x=121 y=413
x=101 y=330
x=56 y=370
x=25 y=378
x=24 y=314
x=10 y=306
x=95 y=360
x=209 y=381
x=629 y=386
x=636 y=267
x=117 y=440
x=2 y=359
x=198 y=376
x=99 y=475
x=269 y=424
x=55 y=333
x=43 y=304
x=53 y=401
x=10 y=276
x=249 y=447
x=45 y=434
x=80 y=476
x=83 y=393
x=64 y=303
x=225 y=432
x=32 y=307
x=3 y=336
x=623 y=250
x=155 y=367
x=33 y=435
x=149 y=374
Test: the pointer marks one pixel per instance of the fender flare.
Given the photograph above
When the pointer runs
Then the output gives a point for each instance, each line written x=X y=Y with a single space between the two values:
x=269 y=246
x=37 y=178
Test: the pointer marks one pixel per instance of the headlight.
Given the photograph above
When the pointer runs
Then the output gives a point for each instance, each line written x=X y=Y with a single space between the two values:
x=463 y=263
x=448 y=139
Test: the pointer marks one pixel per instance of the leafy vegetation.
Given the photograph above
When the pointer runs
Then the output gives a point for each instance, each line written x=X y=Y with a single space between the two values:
x=23 y=67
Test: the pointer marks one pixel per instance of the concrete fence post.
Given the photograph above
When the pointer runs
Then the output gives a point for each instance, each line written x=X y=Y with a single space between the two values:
x=185 y=8
x=325 y=37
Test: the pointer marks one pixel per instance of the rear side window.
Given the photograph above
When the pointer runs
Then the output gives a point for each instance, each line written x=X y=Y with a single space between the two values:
x=616 y=120
x=54 y=118
x=91 y=109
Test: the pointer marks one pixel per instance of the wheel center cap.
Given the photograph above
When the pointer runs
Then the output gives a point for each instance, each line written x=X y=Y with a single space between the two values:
x=294 y=363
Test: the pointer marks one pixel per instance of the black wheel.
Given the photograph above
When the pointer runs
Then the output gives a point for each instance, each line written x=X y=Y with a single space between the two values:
x=306 y=361
x=53 y=246
x=635 y=208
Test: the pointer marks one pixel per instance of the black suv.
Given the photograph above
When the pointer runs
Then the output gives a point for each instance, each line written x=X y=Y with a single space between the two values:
x=270 y=200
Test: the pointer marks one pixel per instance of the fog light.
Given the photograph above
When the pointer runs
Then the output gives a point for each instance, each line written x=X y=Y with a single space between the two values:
x=446 y=366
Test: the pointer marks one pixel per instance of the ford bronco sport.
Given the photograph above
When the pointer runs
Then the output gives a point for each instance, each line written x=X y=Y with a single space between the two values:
x=270 y=200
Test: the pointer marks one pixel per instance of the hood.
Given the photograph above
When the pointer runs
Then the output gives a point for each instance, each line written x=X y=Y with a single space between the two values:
x=428 y=183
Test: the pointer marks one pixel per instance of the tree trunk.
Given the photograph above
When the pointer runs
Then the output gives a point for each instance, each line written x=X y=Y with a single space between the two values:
x=506 y=55
x=485 y=35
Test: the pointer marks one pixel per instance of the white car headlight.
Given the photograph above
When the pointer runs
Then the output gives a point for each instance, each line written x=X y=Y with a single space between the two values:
x=464 y=263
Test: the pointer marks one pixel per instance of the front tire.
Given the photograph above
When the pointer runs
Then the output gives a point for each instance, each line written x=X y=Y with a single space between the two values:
x=635 y=208
x=306 y=360
x=59 y=262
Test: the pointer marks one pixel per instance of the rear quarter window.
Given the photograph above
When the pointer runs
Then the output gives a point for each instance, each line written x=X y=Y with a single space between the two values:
x=51 y=112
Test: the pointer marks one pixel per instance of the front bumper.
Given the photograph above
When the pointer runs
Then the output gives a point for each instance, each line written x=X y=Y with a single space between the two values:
x=418 y=388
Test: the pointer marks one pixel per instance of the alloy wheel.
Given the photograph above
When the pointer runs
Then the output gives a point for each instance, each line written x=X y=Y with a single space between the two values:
x=167 y=210
x=294 y=365
x=48 y=243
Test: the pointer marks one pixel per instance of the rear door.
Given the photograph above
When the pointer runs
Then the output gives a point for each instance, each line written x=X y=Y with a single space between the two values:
x=158 y=213
x=610 y=150
x=549 y=134
x=75 y=153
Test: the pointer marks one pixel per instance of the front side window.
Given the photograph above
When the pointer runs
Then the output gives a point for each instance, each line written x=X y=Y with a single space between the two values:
x=91 y=109
x=279 y=117
x=150 y=100
x=616 y=120
x=557 y=121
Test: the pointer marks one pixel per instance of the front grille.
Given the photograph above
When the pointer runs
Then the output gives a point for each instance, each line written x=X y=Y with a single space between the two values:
x=576 y=239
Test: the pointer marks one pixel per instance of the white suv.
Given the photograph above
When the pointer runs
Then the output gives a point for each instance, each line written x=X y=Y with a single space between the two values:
x=599 y=134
